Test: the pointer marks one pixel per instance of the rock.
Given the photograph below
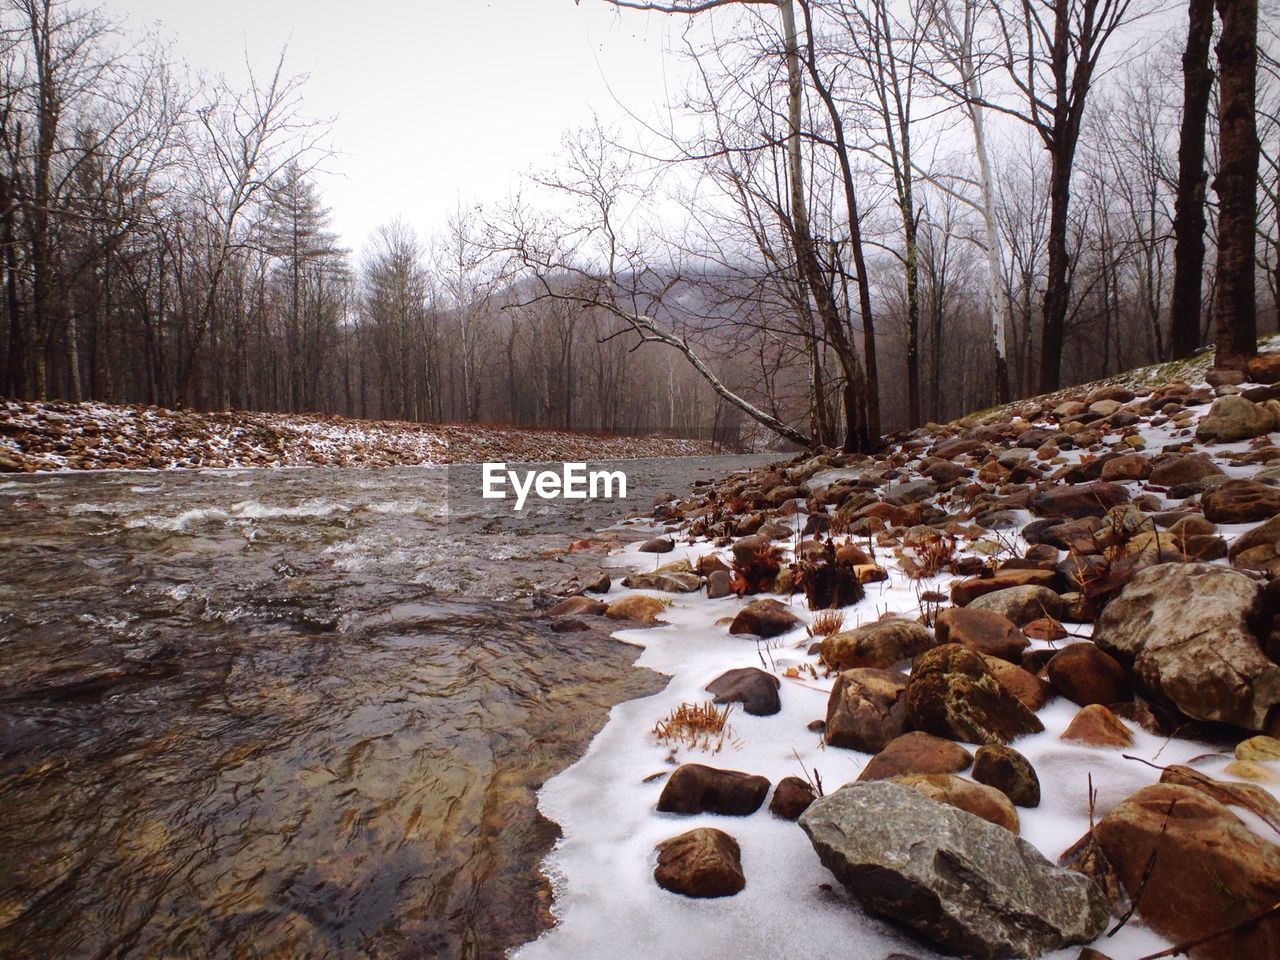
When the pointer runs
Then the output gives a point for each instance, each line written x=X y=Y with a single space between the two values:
x=791 y=797
x=578 y=606
x=1130 y=466
x=657 y=545
x=1210 y=872
x=1239 y=501
x=1044 y=628
x=638 y=606
x=569 y=625
x=972 y=887
x=1184 y=628
x=664 y=581
x=1008 y=771
x=1098 y=727
x=916 y=752
x=1021 y=605
x=701 y=863
x=1030 y=690
x=1259 y=548
x=718 y=585
x=967 y=591
x=881 y=643
x=980 y=800
x=1075 y=500
x=1260 y=748
x=1234 y=418
x=1264 y=368
x=756 y=690
x=866 y=709
x=1180 y=470
x=1085 y=674
x=765 y=618
x=696 y=788
x=1249 y=770
x=953 y=694
x=980 y=630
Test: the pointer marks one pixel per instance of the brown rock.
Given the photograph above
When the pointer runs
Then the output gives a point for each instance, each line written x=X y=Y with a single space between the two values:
x=952 y=693
x=1022 y=604
x=1075 y=500
x=1085 y=674
x=756 y=690
x=657 y=545
x=719 y=585
x=765 y=618
x=578 y=606
x=866 y=709
x=1239 y=501
x=916 y=752
x=696 y=788
x=966 y=591
x=1264 y=368
x=1234 y=418
x=1098 y=727
x=1130 y=466
x=1008 y=771
x=791 y=797
x=701 y=863
x=981 y=630
x=638 y=606
x=1186 y=630
x=1044 y=628
x=1180 y=470
x=976 y=798
x=1030 y=690
x=1210 y=872
x=881 y=643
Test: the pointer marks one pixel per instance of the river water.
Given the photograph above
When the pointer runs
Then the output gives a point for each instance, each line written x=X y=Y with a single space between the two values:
x=295 y=713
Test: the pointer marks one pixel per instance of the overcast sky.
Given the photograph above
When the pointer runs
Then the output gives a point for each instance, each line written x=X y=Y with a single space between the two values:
x=435 y=100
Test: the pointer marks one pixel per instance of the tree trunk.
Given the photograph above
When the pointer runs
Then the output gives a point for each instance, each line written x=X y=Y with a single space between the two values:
x=1235 y=308
x=1057 y=281
x=1189 y=218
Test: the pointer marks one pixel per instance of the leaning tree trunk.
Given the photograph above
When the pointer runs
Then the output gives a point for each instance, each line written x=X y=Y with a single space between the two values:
x=1235 y=308
x=1189 y=219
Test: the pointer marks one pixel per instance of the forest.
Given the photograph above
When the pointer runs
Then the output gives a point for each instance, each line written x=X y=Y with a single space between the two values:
x=859 y=217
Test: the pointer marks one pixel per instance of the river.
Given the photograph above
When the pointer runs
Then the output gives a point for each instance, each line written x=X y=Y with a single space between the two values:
x=291 y=713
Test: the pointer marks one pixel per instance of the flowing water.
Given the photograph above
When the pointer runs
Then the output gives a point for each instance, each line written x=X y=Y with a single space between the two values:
x=297 y=713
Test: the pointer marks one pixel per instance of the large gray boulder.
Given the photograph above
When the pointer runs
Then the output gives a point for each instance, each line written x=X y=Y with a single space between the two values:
x=1184 y=630
x=967 y=884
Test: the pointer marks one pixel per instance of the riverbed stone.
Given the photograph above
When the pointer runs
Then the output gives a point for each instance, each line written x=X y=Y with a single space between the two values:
x=638 y=606
x=1184 y=630
x=1021 y=605
x=697 y=788
x=952 y=693
x=977 y=798
x=1098 y=727
x=916 y=752
x=756 y=690
x=1008 y=771
x=791 y=797
x=1232 y=418
x=968 y=885
x=1241 y=501
x=866 y=709
x=703 y=863
x=1085 y=674
x=1210 y=872
x=881 y=643
x=984 y=631
x=764 y=618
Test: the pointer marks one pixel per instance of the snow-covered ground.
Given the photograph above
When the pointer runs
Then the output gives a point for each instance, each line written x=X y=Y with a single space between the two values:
x=94 y=436
x=606 y=901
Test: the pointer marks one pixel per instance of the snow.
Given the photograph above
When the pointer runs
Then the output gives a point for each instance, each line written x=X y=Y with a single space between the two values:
x=606 y=901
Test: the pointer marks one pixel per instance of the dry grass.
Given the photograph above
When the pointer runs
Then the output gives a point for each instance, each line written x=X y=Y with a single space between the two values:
x=928 y=557
x=826 y=622
x=698 y=726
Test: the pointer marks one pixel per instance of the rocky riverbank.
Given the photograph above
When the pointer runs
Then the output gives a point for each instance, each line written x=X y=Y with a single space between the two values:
x=93 y=436
x=1016 y=678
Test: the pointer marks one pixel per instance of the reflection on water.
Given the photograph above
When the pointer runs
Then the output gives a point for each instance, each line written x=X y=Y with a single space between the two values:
x=282 y=714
